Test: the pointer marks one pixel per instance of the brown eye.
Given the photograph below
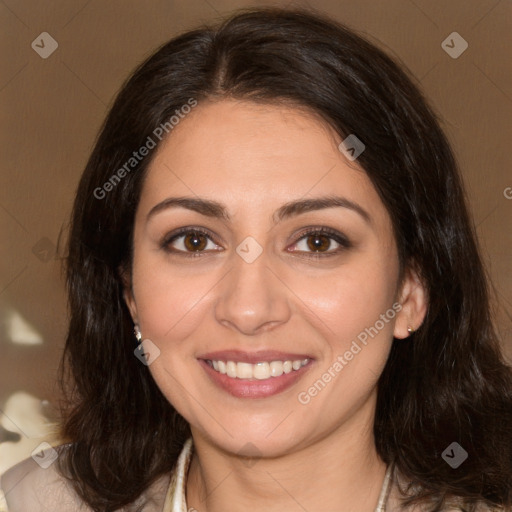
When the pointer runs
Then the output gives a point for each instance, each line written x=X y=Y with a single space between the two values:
x=318 y=243
x=195 y=241
x=189 y=242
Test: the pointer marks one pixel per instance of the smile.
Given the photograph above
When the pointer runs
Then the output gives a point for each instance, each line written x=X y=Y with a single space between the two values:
x=260 y=371
x=259 y=374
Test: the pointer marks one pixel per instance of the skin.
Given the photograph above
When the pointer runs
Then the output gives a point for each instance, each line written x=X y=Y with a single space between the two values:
x=253 y=159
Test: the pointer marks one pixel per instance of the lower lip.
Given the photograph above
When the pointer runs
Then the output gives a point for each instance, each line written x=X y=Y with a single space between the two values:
x=245 y=388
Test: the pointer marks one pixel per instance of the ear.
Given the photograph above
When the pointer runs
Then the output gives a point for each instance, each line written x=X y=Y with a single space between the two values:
x=129 y=299
x=414 y=301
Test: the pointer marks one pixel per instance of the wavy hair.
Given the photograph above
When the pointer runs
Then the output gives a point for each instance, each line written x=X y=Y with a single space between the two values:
x=448 y=383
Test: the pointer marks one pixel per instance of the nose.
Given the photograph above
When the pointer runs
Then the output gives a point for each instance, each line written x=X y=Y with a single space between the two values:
x=252 y=298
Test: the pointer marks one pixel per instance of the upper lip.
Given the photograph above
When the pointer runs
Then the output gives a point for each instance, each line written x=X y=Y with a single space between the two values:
x=252 y=357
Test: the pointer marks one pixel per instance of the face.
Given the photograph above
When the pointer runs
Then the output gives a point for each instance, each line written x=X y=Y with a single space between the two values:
x=271 y=288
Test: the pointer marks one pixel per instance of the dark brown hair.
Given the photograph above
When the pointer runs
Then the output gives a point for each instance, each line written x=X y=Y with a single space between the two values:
x=448 y=384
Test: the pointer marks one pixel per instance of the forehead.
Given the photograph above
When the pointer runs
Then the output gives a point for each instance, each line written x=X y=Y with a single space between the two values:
x=253 y=155
x=238 y=135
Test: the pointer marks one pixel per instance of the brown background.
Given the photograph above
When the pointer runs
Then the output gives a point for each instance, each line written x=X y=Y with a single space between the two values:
x=52 y=108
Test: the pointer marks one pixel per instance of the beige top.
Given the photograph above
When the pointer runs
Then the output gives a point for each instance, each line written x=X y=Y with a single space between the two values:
x=27 y=487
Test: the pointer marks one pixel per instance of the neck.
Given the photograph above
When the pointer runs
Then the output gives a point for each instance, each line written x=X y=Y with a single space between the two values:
x=338 y=471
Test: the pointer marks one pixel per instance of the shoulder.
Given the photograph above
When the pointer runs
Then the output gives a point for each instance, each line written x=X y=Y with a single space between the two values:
x=29 y=486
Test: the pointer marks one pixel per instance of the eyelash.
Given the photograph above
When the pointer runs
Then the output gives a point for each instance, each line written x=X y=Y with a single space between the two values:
x=325 y=231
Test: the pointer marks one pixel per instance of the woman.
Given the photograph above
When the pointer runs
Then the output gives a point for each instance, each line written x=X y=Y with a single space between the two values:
x=277 y=300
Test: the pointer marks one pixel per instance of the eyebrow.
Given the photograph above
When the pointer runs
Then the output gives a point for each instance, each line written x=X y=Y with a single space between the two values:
x=214 y=209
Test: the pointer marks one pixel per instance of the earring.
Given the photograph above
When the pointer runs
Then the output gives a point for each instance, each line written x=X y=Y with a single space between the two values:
x=410 y=330
x=137 y=333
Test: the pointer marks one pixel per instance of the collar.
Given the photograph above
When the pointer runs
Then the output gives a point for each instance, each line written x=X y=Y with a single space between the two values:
x=175 y=500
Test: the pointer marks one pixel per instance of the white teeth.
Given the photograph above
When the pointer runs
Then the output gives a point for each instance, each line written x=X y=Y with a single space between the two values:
x=243 y=370
x=231 y=369
x=260 y=371
x=276 y=368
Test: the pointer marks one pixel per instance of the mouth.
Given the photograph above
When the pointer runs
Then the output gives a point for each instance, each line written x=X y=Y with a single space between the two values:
x=256 y=375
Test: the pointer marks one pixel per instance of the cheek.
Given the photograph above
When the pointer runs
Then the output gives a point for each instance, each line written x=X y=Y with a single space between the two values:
x=355 y=320
x=169 y=305
x=343 y=306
